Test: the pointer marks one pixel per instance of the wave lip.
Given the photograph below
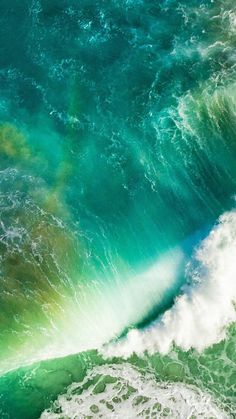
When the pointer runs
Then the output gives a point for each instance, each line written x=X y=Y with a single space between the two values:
x=200 y=316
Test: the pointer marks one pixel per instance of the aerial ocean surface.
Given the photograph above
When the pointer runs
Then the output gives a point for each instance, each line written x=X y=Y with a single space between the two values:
x=117 y=209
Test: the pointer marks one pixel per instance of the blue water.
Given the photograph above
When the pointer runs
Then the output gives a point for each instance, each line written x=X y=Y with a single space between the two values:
x=117 y=158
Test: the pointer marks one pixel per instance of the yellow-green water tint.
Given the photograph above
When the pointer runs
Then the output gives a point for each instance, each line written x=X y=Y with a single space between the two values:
x=117 y=145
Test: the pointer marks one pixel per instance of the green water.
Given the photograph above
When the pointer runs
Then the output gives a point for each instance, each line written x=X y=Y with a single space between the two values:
x=117 y=158
x=214 y=370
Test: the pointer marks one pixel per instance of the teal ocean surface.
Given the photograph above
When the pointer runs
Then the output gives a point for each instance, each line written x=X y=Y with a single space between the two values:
x=117 y=209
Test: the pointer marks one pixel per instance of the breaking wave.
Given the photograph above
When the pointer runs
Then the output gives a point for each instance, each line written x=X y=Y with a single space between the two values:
x=200 y=315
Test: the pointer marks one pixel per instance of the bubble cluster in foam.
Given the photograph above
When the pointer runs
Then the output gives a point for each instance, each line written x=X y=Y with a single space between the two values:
x=201 y=314
x=121 y=391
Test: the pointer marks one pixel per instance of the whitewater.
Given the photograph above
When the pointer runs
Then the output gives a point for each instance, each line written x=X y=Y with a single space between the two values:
x=117 y=209
x=201 y=313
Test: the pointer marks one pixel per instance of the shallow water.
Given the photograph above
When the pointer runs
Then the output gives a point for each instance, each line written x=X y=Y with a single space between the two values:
x=117 y=207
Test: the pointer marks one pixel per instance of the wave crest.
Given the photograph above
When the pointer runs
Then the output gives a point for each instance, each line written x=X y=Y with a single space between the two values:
x=200 y=316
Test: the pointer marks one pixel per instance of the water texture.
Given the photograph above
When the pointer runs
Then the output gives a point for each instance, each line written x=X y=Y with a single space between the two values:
x=117 y=209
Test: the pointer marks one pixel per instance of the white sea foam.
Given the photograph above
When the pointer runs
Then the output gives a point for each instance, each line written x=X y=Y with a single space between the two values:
x=127 y=393
x=101 y=311
x=200 y=316
x=106 y=309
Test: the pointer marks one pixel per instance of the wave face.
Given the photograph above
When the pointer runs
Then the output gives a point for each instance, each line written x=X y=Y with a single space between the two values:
x=117 y=206
x=200 y=315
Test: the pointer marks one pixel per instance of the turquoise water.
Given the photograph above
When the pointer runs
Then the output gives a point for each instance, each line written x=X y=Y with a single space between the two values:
x=117 y=208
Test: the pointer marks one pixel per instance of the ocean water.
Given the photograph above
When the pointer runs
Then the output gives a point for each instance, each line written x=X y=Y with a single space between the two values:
x=117 y=209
